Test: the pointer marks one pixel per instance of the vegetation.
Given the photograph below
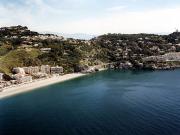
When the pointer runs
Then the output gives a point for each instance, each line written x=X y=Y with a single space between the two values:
x=16 y=58
x=22 y=47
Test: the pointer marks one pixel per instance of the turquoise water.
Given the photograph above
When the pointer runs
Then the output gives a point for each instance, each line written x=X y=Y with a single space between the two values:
x=106 y=103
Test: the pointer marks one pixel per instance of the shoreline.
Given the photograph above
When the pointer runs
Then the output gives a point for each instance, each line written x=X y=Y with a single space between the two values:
x=26 y=87
x=35 y=84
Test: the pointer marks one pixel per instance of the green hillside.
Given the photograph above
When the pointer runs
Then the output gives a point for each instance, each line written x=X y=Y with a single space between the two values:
x=22 y=47
x=20 y=57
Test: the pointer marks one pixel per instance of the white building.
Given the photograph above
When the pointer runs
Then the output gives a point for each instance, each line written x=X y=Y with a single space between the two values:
x=31 y=70
x=45 y=50
x=19 y=70
x=56 y=70
x=45 y=69
x=22 y=79
x=1 y=76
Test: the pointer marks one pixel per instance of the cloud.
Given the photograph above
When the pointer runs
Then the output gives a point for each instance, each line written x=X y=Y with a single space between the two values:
x=32 y=13
x=42 y=16
x=42 y=7
x=116 y=8
x=11 y=15
x=151 y=21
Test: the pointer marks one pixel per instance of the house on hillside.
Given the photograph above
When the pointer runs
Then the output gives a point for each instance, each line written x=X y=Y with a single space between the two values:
x=45 y=50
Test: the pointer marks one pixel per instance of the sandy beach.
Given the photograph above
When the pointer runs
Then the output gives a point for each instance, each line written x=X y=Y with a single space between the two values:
x=17 y=89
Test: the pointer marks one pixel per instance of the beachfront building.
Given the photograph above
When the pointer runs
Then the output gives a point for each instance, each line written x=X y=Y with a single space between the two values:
x=40 y=75
x=31 y=70
x=1 y=76
x=45 y=69
x=18 y=70
x=21 y=78
x=56 y=70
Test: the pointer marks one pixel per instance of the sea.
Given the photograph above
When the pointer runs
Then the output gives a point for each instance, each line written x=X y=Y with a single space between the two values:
x=112 y=102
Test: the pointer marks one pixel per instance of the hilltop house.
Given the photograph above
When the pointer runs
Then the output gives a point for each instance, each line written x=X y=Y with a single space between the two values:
x=56 y=70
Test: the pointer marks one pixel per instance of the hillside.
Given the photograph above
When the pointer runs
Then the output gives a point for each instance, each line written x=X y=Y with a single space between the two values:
x=21 y=47
x=129 y=50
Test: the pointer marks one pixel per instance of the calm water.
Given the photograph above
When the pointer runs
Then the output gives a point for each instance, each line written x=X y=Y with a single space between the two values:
x=106 y=103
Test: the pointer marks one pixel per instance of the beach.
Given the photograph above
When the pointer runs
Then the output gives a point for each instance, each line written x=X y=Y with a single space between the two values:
x=21 y=88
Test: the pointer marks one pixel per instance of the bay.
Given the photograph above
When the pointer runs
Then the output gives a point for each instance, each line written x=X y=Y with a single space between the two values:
x=106 y=103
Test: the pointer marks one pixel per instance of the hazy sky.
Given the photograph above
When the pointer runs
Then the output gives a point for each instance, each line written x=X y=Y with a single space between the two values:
x=92 y=16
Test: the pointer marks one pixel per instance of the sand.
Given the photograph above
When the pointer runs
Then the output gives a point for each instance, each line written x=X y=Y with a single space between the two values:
x=17 y=89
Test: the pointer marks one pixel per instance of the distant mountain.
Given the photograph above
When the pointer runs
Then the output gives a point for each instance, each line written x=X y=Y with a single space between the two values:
x=82 y=36
x=79 y=36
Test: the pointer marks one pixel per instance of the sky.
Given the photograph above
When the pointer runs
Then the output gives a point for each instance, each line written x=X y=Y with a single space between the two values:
x=92 y=16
